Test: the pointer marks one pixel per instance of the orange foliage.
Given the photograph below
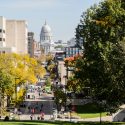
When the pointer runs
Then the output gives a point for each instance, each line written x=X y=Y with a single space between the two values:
x=71 y=60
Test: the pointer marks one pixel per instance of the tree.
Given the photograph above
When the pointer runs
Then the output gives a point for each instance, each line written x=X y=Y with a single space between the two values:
x=60 y=98
x=15 y=71
x=102 y=68
x=73 y=84
x=49 y=59
x=48 y=82
x=29 y=66
x=52 y=67
x=6 y=89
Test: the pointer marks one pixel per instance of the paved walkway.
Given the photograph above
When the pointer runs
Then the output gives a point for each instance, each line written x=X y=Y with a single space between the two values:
x=48 y=104
x=107 y=118
x=49 y=117
x=35 y=117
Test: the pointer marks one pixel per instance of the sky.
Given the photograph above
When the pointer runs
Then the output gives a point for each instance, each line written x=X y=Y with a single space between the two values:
x=62 y=16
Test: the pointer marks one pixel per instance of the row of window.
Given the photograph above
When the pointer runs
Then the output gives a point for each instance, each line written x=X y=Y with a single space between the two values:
x=46 y=47
x=2 y=31
x=46 y=38
x=2 y=39
x=71 y=51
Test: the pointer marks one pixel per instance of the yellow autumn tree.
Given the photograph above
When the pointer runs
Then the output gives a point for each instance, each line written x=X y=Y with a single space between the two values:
x=26 y=69
x=18 y=69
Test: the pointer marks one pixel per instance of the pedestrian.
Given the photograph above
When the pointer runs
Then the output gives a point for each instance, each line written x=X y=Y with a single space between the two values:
x=15 y=111
x=32 y=110
x=38 y=118
x=31 y=117
x=42 y=115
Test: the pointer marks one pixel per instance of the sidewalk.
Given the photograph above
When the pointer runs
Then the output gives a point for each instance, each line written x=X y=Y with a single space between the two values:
x=49 y=117
x=27 y=117
x=106 y=118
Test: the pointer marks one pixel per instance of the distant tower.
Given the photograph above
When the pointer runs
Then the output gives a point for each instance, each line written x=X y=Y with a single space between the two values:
x=46 y=38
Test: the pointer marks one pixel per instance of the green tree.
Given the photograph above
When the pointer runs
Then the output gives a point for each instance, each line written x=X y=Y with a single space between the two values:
x=102 y=68
x=49 y=59
x=73 y=84
x=16 y=70
x=6 y=89
x=60 y=98
x=48 y=82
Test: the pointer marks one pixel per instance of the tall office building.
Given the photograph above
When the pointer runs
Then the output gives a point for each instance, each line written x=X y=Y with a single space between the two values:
x=13 y=36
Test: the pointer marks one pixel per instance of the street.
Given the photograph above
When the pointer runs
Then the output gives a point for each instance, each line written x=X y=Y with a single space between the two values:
x=35 y=103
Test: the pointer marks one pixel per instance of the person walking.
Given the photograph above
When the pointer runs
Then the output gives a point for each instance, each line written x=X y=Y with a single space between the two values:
x=42 y=115
x=38 y=118
x=32 y=110
x=31 y=117
x=39 y=94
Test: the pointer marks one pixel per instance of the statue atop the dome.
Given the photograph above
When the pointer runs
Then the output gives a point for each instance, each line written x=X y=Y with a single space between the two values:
x=45 y=22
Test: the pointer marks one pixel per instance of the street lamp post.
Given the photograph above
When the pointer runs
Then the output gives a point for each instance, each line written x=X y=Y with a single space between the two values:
x=102 y=103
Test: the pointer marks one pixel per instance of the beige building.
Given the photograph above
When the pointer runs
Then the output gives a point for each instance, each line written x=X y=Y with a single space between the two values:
x=62 y=72
x=37 y=49
x=13 y=36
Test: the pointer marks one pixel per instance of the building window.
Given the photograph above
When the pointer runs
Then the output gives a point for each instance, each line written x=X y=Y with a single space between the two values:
x=2 y=31
x=0 y=39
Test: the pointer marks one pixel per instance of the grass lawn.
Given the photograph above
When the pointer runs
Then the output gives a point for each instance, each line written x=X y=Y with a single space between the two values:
x=25 y=123
x=89 y=111
x=57 y=123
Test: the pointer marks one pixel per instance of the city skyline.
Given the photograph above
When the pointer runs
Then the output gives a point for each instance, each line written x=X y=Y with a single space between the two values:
x=61 y=16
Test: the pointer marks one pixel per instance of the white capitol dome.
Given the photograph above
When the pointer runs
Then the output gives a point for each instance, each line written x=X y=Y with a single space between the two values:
x=45 y=34
x=46 y=29
x=46 y=41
